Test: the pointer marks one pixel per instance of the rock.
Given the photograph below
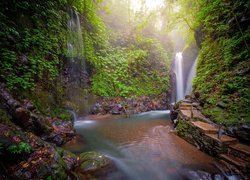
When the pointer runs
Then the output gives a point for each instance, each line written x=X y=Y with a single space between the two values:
x=57 y=139
x=221 y=105
x=62 y=132
x=123 y=106
x=173 y=115
x=197 y=95
x=117 y=109
x=22 y=117
x=94 y=164
x=242 y=132
x=28 y=105
x=23 y=59
x=96 y=108
x=175 y=122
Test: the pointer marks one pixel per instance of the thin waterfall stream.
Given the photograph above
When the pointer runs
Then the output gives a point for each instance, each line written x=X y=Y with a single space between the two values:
x=190 y=78
x=77 y=64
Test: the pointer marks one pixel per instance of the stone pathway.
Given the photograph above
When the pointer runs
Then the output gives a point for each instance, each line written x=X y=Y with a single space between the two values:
x=235 y=154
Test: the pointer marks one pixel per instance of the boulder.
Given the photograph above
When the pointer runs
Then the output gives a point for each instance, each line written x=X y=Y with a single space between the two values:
x=242 y=132
x=94 y=164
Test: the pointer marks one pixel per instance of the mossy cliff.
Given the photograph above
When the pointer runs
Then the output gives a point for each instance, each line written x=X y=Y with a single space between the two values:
x=223 y=70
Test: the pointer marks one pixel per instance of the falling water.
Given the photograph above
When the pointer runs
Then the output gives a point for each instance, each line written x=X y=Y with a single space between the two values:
x=77 y=65
x=179 y=76
x=191 y=75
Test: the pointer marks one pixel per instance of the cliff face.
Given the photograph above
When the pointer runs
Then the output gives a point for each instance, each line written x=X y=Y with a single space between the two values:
x=224 y=61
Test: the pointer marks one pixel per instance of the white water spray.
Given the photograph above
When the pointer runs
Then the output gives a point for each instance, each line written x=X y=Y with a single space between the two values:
x=179 y=76
x=191 y=76
x=183 y=87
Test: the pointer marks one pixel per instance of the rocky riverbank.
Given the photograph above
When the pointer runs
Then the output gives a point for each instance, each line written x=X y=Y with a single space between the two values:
x=216 y=140
x=30 y=145
x=127 y=106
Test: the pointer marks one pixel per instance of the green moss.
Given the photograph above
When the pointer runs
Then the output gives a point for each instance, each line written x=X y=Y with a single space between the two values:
x=93 y=161
x=61 y=113
x=223 y=64
x=4 y=117
x=182 y=128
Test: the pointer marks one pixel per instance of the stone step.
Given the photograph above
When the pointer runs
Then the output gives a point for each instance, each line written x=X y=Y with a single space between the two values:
x=234 y=160
x=225 y=140
x=186 y=104
x=185 y=114
x=240 y=150
x=185 y=108
x=205 y=127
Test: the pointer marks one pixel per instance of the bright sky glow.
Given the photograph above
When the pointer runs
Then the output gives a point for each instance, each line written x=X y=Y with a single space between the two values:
x=150 y=4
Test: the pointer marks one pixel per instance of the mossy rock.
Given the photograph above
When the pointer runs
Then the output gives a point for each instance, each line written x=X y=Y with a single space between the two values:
x=94 y=163
x=182 y=128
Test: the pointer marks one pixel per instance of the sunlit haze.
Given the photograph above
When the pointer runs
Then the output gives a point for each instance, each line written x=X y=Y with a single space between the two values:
x=150 y=4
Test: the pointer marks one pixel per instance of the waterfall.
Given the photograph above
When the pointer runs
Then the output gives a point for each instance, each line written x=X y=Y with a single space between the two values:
x=76 y=64
x=191 y=75
x=183 y=85
x=179 y=76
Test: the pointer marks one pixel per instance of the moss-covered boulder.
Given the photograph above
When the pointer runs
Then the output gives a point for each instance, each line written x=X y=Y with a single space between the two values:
x=94 y=164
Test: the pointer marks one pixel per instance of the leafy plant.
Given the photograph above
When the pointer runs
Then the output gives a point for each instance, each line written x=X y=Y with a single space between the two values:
x=20 y=148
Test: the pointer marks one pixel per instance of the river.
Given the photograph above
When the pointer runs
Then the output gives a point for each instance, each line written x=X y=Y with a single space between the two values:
x=143 y=147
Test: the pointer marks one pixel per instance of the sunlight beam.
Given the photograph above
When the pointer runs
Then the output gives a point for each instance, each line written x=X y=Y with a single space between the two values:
x=149 y=4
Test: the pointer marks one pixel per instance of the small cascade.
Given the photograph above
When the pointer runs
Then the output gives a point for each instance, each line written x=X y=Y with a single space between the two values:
x=76 y=72
x=191 y=75
x=76 y=64
x=74 y=115
x=179 y=76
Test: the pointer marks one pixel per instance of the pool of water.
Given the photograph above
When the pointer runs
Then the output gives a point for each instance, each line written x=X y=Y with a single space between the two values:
x=144 y=148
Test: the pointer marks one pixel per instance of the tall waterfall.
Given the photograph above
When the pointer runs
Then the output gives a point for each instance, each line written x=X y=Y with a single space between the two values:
x=191 y=75
x=179 y=76
x=77 y=65
x=183 y=85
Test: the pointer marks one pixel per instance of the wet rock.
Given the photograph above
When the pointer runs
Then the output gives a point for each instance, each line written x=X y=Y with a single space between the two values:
x=94 y=164
x=126 y=106
x=62 y=132
x=96 y=108
x=199 y=175
x=117 y=109
x=242 y=132
x=173 y=115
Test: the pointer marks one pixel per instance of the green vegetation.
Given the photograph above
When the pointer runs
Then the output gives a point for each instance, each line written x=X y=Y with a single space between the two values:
x=127 y=52
x=221 y=30
x=33 y=48
x=125 y=61
x=31 y=39
x=183 y=128
x=223 y=66
x=20 y=148
x=133 y=71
